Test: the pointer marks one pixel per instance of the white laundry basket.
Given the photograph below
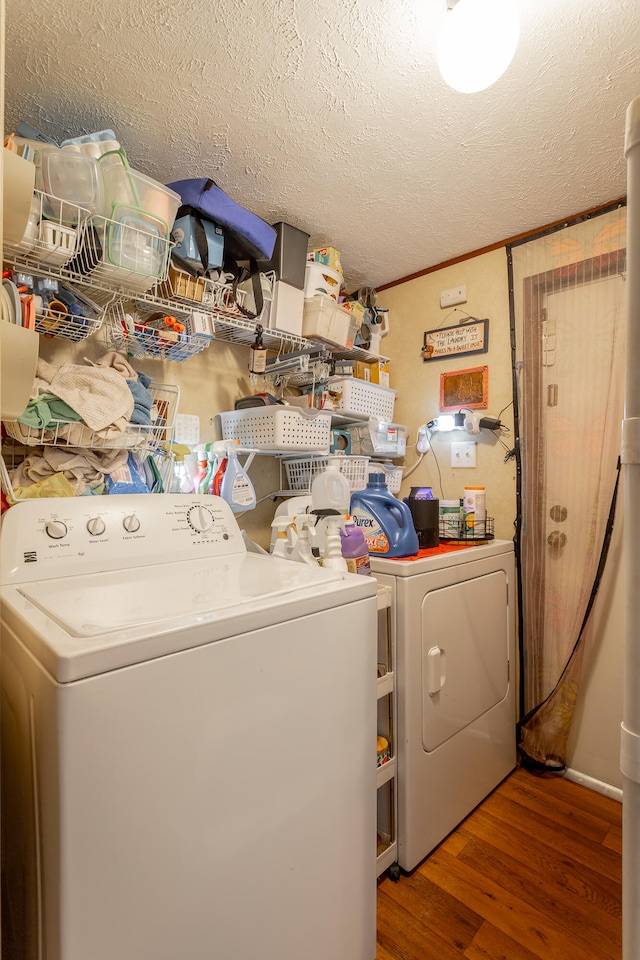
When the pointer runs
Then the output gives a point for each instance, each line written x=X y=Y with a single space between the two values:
x=360 y=397
x=277 y=428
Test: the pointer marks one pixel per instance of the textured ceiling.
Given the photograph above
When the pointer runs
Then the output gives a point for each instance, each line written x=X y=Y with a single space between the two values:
x=331 y=114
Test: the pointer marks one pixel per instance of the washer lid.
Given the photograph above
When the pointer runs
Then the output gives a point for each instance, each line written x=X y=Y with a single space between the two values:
x=89 y=624
x=96 y=605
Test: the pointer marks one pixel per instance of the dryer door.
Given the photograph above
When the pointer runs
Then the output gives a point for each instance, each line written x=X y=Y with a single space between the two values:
x=465 y=654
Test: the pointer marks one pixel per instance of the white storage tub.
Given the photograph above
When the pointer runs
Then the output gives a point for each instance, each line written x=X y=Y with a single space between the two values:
x=277 y=428
x=359 y=397
x=323 y=319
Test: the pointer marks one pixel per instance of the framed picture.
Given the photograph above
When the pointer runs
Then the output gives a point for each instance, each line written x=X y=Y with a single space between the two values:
x=464 y=388
x=454 y=341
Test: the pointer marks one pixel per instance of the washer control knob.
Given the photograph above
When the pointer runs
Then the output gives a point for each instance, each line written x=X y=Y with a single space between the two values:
x=96 y=526
x=55 y=529
x=200 y=519
x=131 y=523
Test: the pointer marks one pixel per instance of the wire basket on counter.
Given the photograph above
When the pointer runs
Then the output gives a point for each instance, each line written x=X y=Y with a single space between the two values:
x=302 y=471
x=483 y=531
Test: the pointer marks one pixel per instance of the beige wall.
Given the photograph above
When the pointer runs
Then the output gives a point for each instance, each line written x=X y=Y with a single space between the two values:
x=414 y=307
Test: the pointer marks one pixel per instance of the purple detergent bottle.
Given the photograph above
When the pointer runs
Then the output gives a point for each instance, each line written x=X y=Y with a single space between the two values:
x=354 y=548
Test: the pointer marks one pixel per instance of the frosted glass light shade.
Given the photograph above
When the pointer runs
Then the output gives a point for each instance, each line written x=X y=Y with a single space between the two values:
x=477 y=43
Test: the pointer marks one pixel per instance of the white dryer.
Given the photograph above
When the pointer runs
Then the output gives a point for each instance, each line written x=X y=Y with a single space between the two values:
x=187 y=739
x=454 y=623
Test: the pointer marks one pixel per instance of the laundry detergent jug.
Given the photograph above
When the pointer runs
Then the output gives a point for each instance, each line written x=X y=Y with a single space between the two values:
x=385 y=521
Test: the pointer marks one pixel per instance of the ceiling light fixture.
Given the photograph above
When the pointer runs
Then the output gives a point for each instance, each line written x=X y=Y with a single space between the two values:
x=477 y=43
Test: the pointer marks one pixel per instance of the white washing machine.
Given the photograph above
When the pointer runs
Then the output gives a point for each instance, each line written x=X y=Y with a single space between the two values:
x=454 y=622
x=187 y=739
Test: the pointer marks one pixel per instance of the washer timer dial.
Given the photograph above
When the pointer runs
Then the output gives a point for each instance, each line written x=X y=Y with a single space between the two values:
x=200 y=519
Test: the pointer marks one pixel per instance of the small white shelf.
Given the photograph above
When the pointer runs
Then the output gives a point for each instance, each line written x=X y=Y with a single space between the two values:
x=385 y=685
x=388 y=856
x=386 y=772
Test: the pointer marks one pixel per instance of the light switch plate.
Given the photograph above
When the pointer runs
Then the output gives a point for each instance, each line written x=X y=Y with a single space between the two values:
x=452 y=296
x=463 y=454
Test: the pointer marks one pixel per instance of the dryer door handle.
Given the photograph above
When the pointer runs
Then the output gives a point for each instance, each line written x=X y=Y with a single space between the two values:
x=435 y=668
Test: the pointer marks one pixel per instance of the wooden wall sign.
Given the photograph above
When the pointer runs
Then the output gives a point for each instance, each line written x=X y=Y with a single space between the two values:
x=454 y=341
x=464 y=388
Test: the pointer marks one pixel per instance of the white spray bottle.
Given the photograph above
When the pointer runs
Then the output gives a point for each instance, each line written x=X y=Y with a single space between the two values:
x=231 y=480
x=332 y=557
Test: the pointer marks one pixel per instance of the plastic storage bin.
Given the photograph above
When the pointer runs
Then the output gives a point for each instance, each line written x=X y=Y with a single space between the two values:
x=323 y=280
x=68 y=181
x=357 y=397
x=323 y=319
x=277 y=428
x=131 y=252
x=378 y=438
x=124 y=185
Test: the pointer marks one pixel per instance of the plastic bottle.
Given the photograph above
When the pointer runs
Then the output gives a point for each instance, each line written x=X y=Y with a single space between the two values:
x=474 y=512
x=332 y=558
x=181 y=481
x=201 y=472
x=212 y=469
x=233 y=484
x=330 y=490
x=385 y=521
x=303 y=548
x=354 y=548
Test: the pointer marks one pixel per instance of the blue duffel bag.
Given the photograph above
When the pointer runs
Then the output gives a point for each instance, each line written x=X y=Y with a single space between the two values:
x=247 y=238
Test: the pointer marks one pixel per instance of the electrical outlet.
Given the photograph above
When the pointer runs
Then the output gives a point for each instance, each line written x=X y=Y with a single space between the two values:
x=422 y=443
x=449 y=298
x=463 y=454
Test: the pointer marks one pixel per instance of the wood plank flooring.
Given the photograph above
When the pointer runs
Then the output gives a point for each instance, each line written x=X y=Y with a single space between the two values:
x=534 y=873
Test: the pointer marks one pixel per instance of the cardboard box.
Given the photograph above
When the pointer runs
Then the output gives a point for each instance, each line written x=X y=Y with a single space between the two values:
x=329 y=256
x=181 y=284
x=380 y=373
x=376 y=371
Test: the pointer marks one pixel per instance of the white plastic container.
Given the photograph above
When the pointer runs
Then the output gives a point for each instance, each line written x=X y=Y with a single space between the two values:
x=323 y=280
x=124 y=185
x=68 y=181
x=360 y=397
x=330 y=490
x=474 y=512
x=449 y=511
x=323 y=319
x=278 y=428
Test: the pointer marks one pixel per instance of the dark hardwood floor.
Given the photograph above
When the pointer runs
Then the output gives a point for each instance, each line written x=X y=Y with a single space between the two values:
x=534 y=873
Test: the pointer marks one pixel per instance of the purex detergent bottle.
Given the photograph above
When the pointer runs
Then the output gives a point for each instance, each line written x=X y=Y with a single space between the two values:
x=385 y=521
